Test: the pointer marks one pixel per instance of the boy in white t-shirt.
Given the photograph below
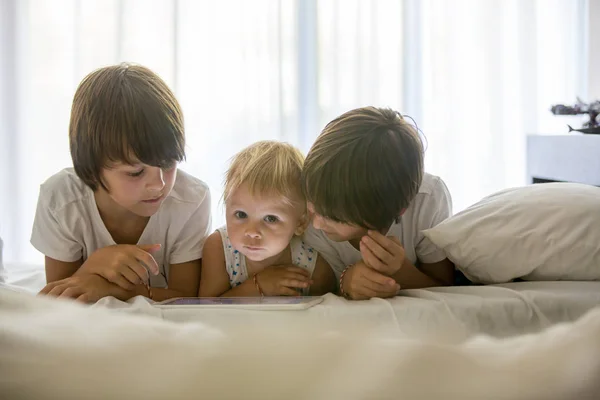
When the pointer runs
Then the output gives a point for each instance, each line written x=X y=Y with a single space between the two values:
x=370 y=201
x=124 y=221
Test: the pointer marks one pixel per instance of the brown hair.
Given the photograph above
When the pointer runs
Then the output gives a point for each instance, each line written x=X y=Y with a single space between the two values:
x=364 y=168
x=124 y=113
x=267 y=166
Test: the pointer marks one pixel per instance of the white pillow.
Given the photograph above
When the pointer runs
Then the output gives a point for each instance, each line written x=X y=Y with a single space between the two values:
x=548 y=231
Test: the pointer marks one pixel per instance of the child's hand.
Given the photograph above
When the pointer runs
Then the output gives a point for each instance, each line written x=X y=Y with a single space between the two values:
x=86 y=288
x=361 y=282
x=283 y=281
x=383 y=254
x=124 y=265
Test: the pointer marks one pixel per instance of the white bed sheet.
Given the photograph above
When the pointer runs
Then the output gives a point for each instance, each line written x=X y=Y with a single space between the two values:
x=54 y=349
x=447 y=314
x=26 y=277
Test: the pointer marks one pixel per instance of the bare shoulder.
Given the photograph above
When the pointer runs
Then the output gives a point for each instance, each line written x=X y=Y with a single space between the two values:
x=213 y=246
x=214 y=279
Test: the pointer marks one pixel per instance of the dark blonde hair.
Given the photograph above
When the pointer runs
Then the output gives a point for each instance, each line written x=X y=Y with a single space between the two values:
x=124 y=113
x=267 y=167
x=364 y=168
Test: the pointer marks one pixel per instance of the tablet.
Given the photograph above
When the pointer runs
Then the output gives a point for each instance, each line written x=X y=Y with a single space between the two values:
x=246 y=303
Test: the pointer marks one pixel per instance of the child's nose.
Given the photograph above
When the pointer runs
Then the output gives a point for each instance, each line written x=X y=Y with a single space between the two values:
x=252 y=231
x=157 y=180
x=253 y=234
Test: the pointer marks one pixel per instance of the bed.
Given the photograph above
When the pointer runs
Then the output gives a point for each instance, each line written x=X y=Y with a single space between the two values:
x=511 y=341
x=446 y=313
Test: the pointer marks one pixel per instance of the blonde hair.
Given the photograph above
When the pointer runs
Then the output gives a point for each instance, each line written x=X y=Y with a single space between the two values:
x=267 y=166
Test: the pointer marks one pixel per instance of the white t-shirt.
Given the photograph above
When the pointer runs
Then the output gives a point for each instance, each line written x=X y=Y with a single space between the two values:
x=68 y=226
x=432 y=205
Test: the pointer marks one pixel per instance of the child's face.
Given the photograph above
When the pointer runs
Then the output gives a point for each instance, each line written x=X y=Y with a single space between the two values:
x=139 y=188
x=261 y=226
x=336 y=231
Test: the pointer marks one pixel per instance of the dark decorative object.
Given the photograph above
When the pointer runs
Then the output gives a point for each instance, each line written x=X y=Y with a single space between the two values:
x=592 y=109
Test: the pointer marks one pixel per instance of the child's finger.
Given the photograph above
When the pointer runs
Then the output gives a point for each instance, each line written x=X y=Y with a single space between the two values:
x=84 y=298
x=286 y=291
x=383 y=254
x=49 y=287
x=117 y=277
x=377 y=278
x=58 y=289
x=379 y=289
x=384 y=241
x=363 y=293
x=294 y=283
x=149 y=248
x=135 y=273
x=370 y=259
x=139 y=270
x=72 y=292
x=296 y=276
x=147 y=261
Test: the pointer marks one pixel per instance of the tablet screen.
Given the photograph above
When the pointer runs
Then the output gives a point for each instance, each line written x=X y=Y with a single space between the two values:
x=211 y=301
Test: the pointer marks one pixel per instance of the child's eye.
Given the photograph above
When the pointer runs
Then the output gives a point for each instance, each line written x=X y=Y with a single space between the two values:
x=240 y=214
x=136 y=174
x=271 y=219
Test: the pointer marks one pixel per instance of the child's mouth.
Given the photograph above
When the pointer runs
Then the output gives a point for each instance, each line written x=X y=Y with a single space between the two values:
x=153 y=201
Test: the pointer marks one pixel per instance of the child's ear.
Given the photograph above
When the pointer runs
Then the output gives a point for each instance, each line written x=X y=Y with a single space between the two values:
x=302 y=225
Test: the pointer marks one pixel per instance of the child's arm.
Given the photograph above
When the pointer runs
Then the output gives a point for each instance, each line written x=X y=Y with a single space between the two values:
x=116 y=264
x=441 y=271
x=386 y=255
x=57 y=270
x=361 y=282
x=432 y=261
x=214 y=280
x=183 y=282
x=92 y=287
x=428 y=275
x=276 y=280
x=246 y=289
x=323 y=278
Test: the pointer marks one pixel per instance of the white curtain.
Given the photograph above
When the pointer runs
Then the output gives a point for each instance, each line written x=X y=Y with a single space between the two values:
x=490 y=72
x=477 y=76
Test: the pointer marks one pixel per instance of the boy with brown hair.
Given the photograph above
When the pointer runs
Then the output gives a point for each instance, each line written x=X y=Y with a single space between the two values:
x=370 y=200
x=124 y=219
